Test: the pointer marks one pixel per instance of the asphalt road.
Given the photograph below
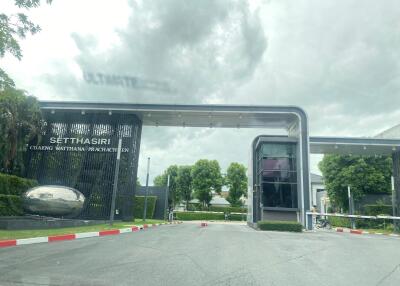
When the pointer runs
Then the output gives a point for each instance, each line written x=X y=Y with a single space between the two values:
x=220 y=254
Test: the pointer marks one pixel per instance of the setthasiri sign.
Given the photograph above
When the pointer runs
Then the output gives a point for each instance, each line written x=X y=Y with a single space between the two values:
x=83 y=141
x=75 y=144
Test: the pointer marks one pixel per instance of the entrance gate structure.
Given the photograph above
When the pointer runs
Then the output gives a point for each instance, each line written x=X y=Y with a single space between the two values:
x=104 y=123
x=292 y=119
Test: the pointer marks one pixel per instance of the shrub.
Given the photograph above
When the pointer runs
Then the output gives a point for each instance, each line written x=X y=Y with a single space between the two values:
x=339 y=221
x=238 y=217
x=139 y=206
x=199 y=207
x=199 y=216
x=359 y=222
x=228 y=209
x=280 y=225
x=331 y=210
x=372 y=223
x=194 y=207
x=374 y=210
x=10 y=205
x=13 y=185
x=378 y=209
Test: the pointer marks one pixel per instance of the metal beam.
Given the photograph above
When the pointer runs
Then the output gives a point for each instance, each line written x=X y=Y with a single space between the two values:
x=353 y=145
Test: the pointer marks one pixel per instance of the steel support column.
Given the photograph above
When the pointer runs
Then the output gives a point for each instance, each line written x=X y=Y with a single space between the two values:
x=396 y=191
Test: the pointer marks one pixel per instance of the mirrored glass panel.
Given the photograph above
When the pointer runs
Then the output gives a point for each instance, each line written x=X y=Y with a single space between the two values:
x=277 y=174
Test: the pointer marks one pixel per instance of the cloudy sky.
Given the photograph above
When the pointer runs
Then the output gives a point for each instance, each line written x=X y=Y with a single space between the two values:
x=339 y=60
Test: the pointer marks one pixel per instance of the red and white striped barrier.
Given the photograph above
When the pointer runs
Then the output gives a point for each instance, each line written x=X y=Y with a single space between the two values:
x=359 y=231
x=63 y=237
x=356 y=231
x=354 y=216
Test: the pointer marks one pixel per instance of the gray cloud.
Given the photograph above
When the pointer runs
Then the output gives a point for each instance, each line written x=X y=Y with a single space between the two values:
x=196 y=47
x=339 y=60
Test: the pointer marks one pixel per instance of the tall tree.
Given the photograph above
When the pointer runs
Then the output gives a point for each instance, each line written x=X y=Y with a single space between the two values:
x=184 y=183
x=365 y=175
x=162 y=180
x=207 y=178
x=15 y=26
x=20 y=122
x=236 y=180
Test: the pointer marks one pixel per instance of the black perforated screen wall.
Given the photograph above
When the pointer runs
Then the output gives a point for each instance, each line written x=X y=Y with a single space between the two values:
x=79 y=150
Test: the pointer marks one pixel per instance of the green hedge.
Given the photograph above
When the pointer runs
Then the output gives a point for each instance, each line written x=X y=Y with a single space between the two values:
x=280 y=225
x=199 y=216
x=139 y=206
x=198 y=207
x=228 y=209
x=207 y=216
x=13 y=185
x=378 y=209
x=10 y=205
x=238 y=217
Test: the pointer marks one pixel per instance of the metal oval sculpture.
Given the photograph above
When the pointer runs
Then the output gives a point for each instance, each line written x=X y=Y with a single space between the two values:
x=53 y=201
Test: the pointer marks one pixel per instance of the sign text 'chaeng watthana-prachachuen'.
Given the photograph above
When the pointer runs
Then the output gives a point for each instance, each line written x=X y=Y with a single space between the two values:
x=75 y=144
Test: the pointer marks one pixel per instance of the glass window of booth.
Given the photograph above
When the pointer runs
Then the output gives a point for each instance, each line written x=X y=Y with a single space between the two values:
x=277 y=175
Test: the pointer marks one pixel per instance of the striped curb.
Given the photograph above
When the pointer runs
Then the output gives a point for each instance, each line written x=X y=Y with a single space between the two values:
x=73 y=236
x=359 y=231
x=353 y=231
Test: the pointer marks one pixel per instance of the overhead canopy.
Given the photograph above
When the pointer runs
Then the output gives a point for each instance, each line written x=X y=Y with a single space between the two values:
x=351 y=145
x=225 y=116
x=230 y=116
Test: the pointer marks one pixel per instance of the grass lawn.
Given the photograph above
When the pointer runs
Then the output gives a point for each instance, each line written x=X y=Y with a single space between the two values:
x=14 y=234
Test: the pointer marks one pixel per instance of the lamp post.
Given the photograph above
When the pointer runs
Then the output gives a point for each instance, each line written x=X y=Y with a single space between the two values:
x=243 y=216
x=396 y=224
x=351 y=206
x=166 y=199
x=146 y=190
x=116 y=172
